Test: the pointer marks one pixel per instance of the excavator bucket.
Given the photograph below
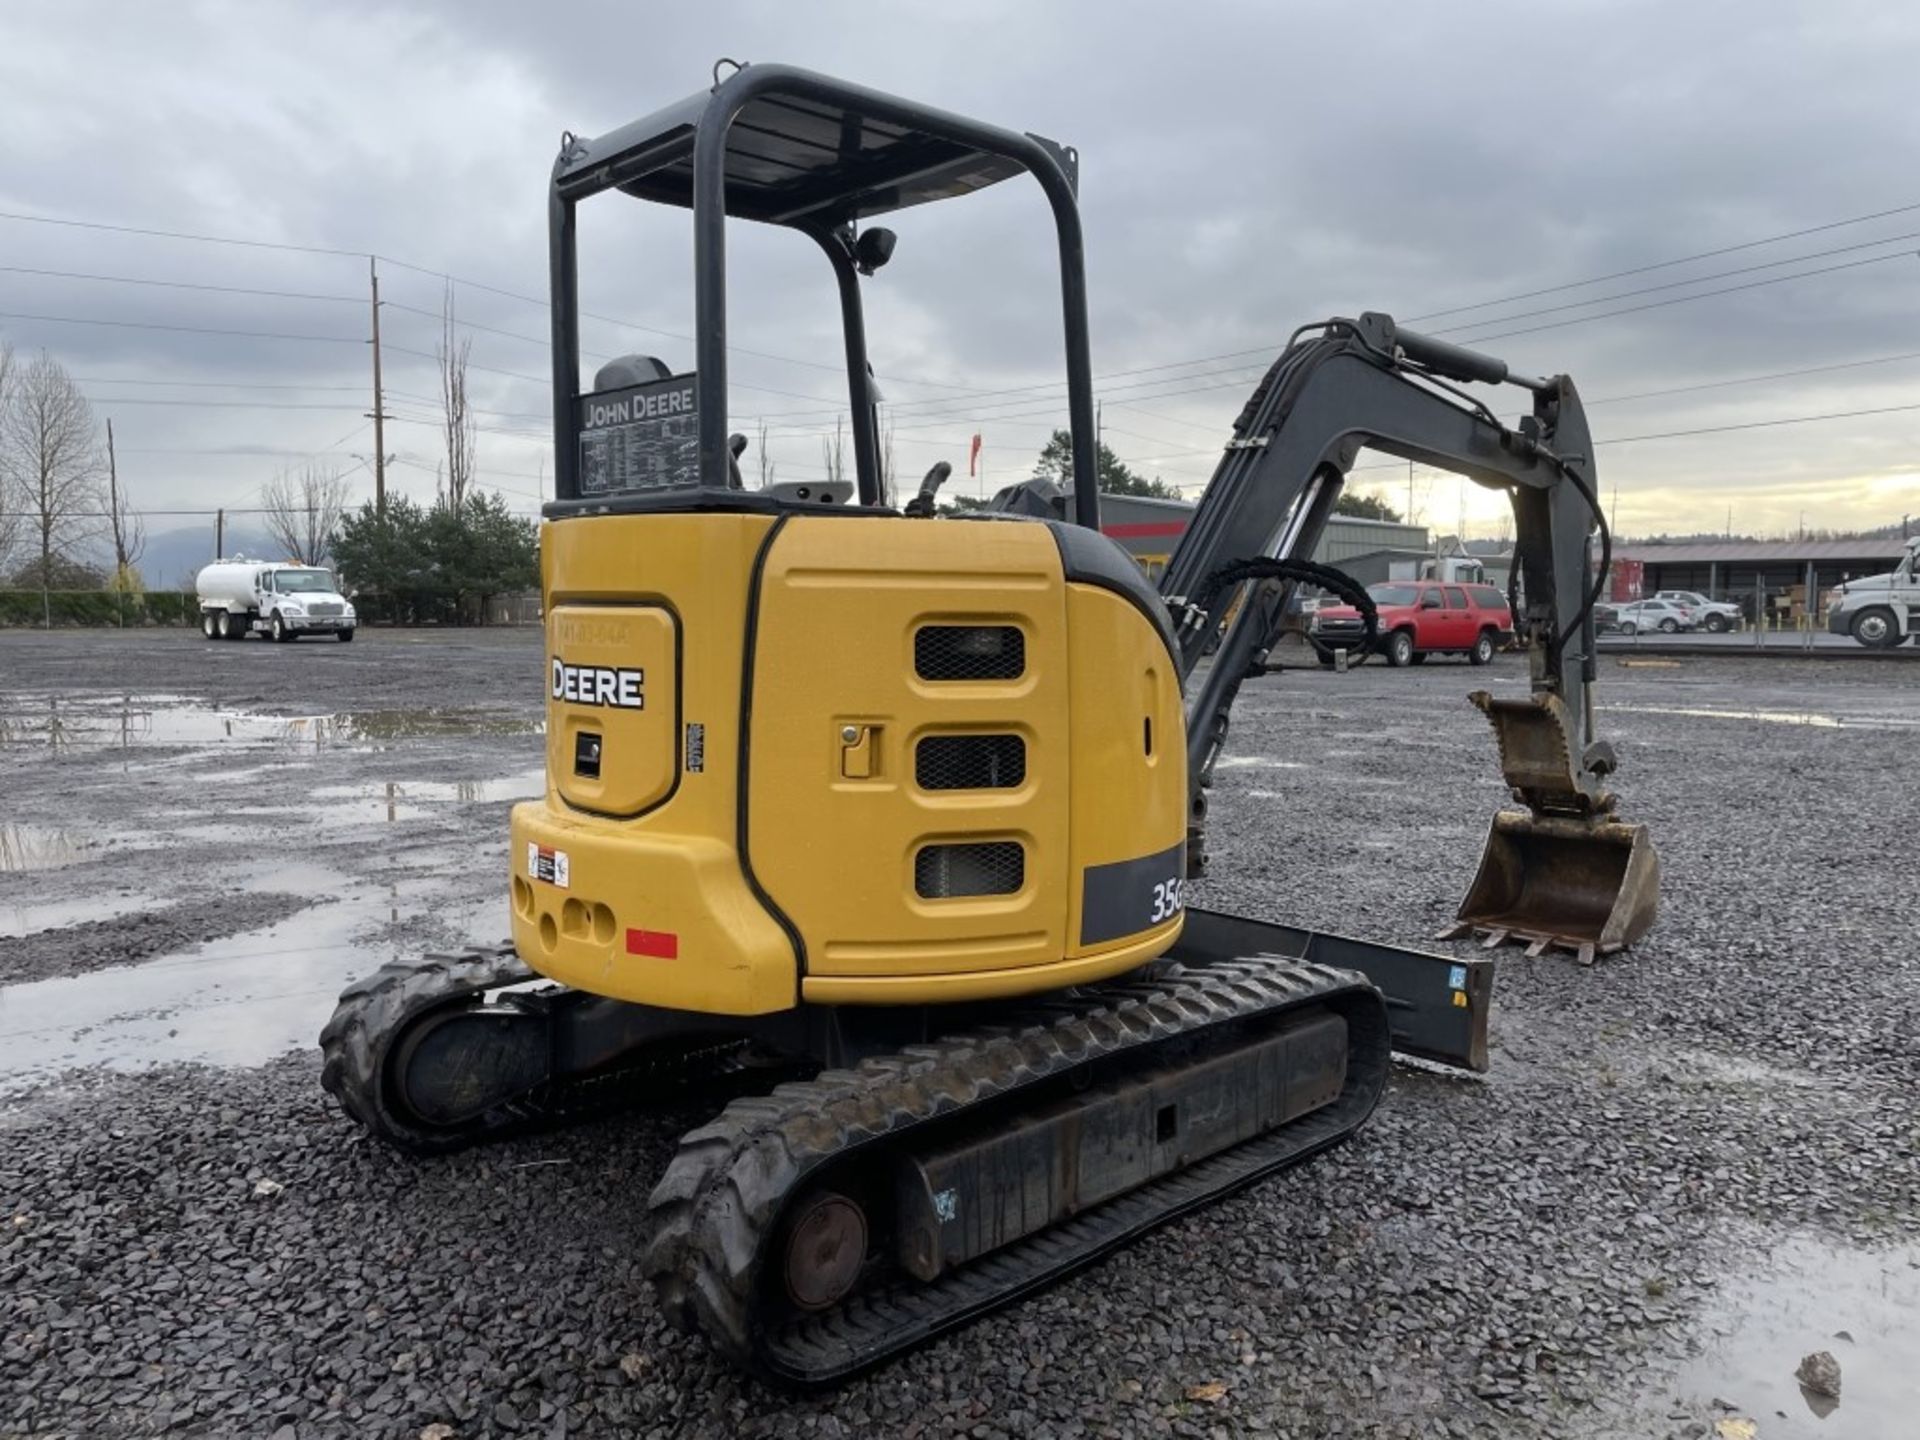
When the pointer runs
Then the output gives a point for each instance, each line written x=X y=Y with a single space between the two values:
x=1587 y=887
x=1563 y=872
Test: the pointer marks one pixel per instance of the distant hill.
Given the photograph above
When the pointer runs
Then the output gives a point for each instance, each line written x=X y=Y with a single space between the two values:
x=173 y=557
x=1898 y=530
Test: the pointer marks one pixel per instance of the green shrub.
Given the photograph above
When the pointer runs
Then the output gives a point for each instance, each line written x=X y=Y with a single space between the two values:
x=97 y=608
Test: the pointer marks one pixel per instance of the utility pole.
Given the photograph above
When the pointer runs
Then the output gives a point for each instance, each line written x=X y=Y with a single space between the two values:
x=113 y=480
x=220 y=534
x=379 y=405
x=114 y=520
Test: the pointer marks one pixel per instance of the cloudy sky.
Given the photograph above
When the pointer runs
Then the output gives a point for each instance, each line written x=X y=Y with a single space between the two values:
x=1245 y=168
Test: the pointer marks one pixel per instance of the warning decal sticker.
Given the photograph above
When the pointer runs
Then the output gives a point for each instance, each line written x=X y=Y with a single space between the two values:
x=548 y=864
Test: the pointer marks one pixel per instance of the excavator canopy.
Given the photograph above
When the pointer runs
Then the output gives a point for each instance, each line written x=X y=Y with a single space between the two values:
x=785 y=147
x=801 y=155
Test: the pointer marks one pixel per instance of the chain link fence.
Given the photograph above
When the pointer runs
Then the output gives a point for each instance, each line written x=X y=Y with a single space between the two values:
x=119 y=609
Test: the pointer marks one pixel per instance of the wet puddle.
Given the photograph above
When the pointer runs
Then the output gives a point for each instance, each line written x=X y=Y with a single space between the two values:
x=1862 y=1306
x=241 y=1000
x=388 y=802
x=527 y=785
x=128 y=722
x=37 y=847
x=17 y=920
x=1806 y=718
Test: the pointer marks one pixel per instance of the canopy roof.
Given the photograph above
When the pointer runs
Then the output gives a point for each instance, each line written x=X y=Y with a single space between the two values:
x=793 y=159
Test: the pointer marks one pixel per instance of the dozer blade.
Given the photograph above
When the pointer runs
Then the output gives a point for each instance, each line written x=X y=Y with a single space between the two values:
x=1563 y=872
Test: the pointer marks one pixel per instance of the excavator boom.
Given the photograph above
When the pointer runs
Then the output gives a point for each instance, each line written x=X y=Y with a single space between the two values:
x=1565 y=871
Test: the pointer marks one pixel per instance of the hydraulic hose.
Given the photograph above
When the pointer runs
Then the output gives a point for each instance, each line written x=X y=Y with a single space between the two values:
x=1303 y=571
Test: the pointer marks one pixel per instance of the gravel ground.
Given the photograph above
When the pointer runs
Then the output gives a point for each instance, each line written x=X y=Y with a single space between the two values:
x=206 y=1248
x=51 y=951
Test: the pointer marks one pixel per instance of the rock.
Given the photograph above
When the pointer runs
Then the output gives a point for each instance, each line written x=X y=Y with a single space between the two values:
x=1820 y=1373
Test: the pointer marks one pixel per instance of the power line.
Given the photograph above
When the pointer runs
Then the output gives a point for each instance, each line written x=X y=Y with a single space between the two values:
x=439 y=275
x=957 y=410
x=1758 y=424
x=1668 y=264
x=178 y=285
x=1686 y=299
x=180 y=235
x=209 y=384
x=1680 y=284
x=1754 y=379
x=117 y=400
x=953 y=408
x=185 y=329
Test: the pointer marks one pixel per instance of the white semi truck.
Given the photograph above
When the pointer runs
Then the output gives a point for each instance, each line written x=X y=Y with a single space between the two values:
x=240 y=597
x=1880 y=611
x=1457 y=569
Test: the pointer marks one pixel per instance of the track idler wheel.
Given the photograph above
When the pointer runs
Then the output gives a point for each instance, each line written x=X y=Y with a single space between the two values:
x=412 y=1056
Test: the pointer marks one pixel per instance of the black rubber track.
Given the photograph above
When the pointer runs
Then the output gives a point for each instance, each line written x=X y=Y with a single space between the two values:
x=717 y=1211
x=374 y=1015
x=371 y=1016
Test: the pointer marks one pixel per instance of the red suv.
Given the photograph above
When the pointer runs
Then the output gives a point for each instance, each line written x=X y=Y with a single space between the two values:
x=1419 y=618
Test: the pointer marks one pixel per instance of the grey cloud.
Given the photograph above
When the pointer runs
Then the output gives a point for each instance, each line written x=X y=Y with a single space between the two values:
x=1245 y=167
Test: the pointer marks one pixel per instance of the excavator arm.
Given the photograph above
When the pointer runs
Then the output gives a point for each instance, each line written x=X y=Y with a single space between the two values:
x=1564 y=871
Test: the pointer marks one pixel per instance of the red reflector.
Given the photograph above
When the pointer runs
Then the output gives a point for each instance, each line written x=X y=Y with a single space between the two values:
x=660 y=944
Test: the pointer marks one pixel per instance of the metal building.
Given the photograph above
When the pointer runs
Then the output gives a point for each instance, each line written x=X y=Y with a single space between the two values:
x=1150 y=529
x=1759 y=575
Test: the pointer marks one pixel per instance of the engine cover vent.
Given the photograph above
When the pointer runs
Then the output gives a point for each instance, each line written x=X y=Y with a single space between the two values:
x=953 y=872
x=970 y=762
x=969 y=652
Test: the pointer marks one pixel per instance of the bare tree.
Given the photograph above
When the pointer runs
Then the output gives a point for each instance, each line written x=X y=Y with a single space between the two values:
x=12 y=513
x=50 y=460
x=760 y=452
x=128 y=531
x=886 y=459
x=456 y=418
x=303 y=510
x=833 y=452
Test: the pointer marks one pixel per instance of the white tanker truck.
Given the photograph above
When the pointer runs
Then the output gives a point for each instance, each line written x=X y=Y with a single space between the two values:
x=240 y=596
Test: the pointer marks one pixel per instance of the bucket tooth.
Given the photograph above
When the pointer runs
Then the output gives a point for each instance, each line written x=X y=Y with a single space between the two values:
x=1563 y=872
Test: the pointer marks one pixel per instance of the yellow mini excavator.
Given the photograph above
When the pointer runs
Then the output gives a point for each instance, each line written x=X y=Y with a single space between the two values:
x=890 y=814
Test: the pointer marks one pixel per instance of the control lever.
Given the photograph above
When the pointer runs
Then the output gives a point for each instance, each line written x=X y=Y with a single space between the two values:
x=921 y=505
x=736 y=447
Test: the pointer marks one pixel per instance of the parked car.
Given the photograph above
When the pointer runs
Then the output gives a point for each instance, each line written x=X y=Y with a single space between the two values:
x=1418 y=618
x=1662 y=615
x=1713 y=615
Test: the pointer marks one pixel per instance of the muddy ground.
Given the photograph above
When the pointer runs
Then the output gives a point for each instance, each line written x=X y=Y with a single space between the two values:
x=1687 y=1168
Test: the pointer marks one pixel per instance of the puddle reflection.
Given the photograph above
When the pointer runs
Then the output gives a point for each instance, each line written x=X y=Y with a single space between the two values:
x=67 y=723
x=35 y=847
x=1809 y=1295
